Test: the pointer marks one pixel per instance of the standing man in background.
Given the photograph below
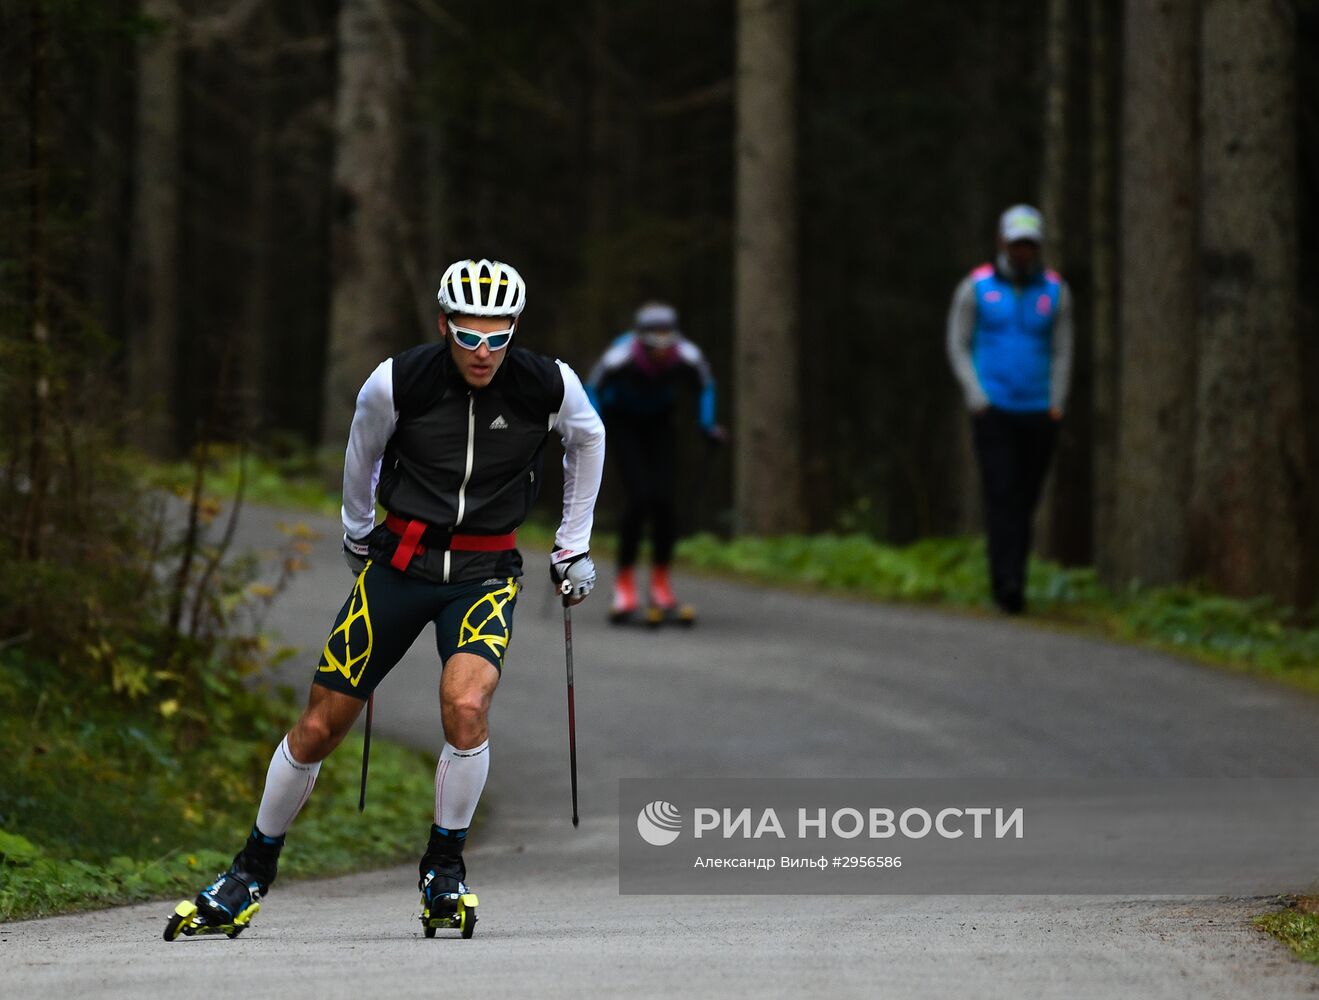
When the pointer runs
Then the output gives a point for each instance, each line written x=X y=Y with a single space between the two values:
x=1010 y=345
x=634 y=385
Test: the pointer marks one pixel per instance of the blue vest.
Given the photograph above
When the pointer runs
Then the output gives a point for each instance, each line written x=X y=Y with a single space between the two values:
x=1012 y=347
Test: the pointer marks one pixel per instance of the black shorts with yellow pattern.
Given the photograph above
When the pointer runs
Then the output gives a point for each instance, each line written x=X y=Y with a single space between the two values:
x=387 y=610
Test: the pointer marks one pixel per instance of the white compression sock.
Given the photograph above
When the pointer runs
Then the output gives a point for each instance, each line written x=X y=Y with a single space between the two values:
x=459 y=778
x=288 y=783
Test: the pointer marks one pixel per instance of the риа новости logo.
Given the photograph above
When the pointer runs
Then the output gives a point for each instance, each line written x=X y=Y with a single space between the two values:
x=659 y=823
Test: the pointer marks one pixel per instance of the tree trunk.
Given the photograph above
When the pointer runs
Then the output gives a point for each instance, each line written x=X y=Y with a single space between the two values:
x=977 y=213
x=767 y=462
x=1103 y=278
x=599 y=300
x=1158 y=297
x=1068 y=535
x=1249 y=493
x=251 y=356
x=38 y=282
x=154 y=279
x=437 y=238
x=368 y=318
x=1053 y=185
x=1063 y=528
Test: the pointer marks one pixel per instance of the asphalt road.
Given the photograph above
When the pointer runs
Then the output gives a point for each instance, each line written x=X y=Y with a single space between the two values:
x=769 y=684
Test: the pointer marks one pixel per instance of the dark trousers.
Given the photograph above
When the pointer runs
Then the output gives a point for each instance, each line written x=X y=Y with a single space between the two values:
x=1013 y=450
x=643 y=451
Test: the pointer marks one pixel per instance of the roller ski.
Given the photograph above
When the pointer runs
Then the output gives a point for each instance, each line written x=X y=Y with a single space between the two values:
x=446 y=900
x=188 y=921
x=625 y=608
x=680 y=614
x=664 y=608
x=226 y=906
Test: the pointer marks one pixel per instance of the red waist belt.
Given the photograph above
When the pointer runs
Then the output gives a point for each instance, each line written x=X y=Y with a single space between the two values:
x=416 y=536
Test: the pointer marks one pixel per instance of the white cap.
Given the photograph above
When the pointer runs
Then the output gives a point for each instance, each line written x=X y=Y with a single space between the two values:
x=656 y=316
x=1021 y=222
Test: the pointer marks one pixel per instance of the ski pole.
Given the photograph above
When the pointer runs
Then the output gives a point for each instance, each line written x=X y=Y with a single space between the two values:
x=697 y=506
x=566 y=589
x=366 y=750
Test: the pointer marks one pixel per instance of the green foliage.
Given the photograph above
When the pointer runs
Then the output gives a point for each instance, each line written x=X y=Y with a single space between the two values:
x=136 y=608
x=101 y=806
x=132 y=713
x=949 y=570
x=121 y=817
x=1296 y=929
x=92 y=777
x=133 y=719
x=1252 y=634
x=295 y=479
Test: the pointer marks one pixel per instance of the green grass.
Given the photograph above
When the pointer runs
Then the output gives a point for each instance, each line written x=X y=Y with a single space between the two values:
x=1252 y=635
x=1298 y=930
x=190 y=846
x=100 y=806
x=295 y=482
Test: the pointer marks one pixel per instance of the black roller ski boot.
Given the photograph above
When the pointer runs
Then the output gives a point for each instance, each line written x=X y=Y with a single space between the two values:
x=228 y=904
x=446 y=899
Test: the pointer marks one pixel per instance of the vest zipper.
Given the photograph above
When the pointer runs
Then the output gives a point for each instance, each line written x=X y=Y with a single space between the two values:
x=471 y=455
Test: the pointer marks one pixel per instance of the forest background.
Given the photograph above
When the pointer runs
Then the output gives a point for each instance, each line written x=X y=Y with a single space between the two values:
x=218 y=217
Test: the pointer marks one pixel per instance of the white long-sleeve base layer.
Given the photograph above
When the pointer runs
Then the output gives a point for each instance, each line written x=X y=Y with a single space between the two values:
x=576 y=422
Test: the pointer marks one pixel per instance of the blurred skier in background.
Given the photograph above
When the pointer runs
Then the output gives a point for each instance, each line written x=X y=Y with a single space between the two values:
x=635 y=386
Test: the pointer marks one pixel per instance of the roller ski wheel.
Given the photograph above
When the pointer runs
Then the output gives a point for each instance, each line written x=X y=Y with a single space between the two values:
x=623 y=617
x=679 y=614
x=186 y=921
x=452 y=911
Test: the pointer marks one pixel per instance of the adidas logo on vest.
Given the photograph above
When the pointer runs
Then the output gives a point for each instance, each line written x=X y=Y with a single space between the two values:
x=499 y=423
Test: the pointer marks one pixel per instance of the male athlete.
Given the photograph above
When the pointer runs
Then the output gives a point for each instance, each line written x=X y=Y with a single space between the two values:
x=448 y=437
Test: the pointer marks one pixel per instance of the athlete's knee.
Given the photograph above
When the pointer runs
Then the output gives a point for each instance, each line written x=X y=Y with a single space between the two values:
x=314 y=737
x=469 y=706
x=465 y=715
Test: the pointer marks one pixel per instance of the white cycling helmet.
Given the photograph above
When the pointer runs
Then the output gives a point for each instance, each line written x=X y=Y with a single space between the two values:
x=482 y=288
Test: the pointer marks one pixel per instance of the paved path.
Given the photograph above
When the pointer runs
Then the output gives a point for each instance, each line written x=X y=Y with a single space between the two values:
x=769 y=684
